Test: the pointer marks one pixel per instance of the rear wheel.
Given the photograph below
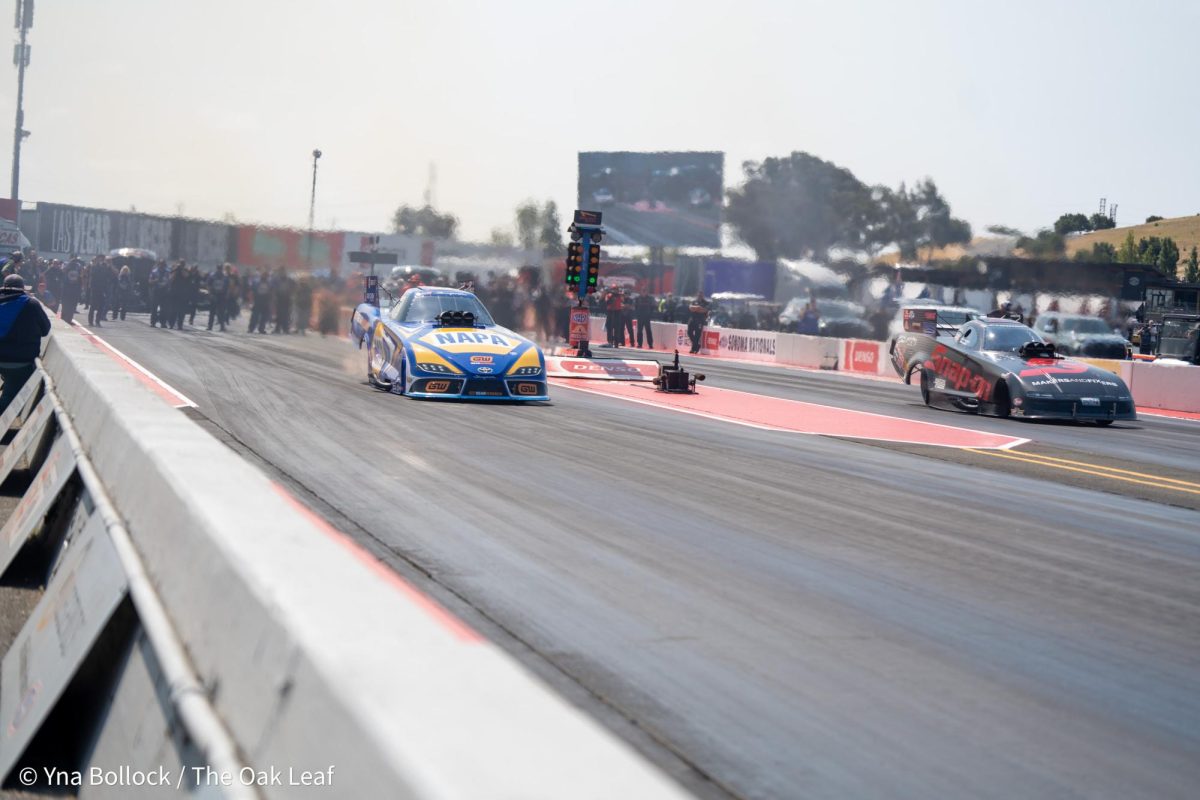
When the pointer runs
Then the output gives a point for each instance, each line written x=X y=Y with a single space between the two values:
x=924 y=387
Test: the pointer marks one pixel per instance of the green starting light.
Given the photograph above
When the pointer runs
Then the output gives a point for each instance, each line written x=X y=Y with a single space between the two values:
x=574 y=263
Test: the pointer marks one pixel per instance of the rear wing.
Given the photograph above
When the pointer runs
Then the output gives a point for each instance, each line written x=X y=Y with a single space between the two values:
x=928 y=321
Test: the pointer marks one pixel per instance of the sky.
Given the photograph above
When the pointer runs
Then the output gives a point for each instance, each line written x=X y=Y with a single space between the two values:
x=1020 y=111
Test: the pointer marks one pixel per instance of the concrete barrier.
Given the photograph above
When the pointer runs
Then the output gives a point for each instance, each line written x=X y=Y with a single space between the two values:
x=313 y=654
x=1174 y=387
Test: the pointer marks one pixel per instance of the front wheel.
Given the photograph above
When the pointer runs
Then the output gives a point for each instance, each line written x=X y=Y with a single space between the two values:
x=1003 y=403
x=912 y=371
x=1103 y=422
x=375 y=364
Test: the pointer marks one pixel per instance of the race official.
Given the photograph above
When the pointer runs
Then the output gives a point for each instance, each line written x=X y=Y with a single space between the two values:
x=643 y=310
x=614 y=310
x=697 y=317
x=23 y=323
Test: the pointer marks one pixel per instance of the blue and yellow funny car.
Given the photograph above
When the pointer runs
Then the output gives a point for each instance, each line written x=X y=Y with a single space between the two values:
x=442 y=343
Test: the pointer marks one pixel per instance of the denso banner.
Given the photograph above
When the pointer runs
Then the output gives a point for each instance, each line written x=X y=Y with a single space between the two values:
x=859 y=355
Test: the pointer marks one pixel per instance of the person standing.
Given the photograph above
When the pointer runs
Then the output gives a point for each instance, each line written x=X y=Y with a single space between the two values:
x=282 y=290
x=53 y=280
x=304 y=300
x=156 y=282
x=233 y=293
x=177 y=293
x=627 y=312
x=260 y=311
x=193 y=292
x=23 y=323
x=218 y=297
x=644 y=308
x=101 y=282
x=614 y=309
x=697 y=317
x=72 y=288
x=124 y=292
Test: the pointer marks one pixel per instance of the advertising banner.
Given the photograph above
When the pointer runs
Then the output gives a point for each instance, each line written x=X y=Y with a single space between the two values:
x=203 y=243
x=63 y=230
x=580 y=323
x=859 y=355
x=286 y=247
x=754 y=345
x=756 y=277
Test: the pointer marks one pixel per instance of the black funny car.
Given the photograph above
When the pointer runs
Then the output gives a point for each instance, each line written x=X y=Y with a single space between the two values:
x=1003 y=367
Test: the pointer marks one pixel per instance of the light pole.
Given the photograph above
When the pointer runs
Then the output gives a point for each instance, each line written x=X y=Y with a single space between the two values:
x=24 y=22
x=312 y=207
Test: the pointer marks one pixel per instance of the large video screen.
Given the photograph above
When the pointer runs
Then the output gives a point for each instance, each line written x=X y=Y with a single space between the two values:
x=655 y=199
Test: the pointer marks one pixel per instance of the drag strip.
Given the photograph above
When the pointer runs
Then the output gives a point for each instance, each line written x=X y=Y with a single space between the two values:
x=766 y=615
x=1152 y=440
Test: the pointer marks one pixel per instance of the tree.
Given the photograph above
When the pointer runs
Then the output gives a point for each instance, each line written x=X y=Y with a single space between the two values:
x=1072 y=223
x=1128 y=254
x=1003 y=230
x=501 y=238
x=1101 y=253
x=551 y=238
x=800 y=206
x=1191 y=273
x=529 y=218
x=1168 y=258
x=915 y=219
x=424 y=221
x=1046 y=244
x=1153 y=218
x=1100 y=222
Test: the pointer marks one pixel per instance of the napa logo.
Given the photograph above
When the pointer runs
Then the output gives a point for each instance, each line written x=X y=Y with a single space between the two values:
x=470 y=341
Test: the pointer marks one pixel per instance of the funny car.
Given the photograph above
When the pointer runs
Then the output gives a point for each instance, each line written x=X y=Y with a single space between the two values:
x=442 y=343
x=1003 y=367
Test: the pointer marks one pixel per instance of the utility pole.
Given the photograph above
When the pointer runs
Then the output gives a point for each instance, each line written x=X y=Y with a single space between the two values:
x=24 y=21
x=312 y=207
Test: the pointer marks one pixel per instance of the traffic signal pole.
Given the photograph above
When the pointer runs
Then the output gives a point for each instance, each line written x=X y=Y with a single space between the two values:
x=583 y=262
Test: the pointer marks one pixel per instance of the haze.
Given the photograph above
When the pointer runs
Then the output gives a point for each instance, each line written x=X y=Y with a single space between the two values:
x=1020 y=111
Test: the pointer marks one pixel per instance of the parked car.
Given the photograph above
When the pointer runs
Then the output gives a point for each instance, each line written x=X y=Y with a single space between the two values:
x=1080 y=335
x=841 y=318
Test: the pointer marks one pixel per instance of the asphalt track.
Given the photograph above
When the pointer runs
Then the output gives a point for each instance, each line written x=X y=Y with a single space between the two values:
x=766 y=615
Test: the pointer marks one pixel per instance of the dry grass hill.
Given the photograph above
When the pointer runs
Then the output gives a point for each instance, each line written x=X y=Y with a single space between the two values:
x=1184 y=230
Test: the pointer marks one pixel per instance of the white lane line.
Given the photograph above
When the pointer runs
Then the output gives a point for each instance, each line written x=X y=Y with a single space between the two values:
x=181 y=400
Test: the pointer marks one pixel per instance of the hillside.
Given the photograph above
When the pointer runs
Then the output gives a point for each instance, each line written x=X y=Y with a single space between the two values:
x=1184 y=230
